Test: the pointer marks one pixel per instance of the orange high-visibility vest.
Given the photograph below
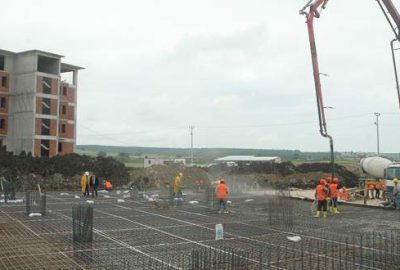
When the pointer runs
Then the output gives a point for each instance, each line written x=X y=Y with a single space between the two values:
x=370 y=187
x=222 y=191
x=108 y=184
x=344 y=194
x=334 y=190
x=321 y=195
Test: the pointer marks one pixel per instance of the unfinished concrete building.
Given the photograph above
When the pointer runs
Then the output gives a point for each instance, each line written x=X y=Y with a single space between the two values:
x=38 y=98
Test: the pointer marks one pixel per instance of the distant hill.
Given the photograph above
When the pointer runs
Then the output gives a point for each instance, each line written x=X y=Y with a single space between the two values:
x=202 y=155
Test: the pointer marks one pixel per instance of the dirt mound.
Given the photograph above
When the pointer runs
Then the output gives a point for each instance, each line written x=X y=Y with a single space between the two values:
x=59 y=172
x=161 y=176
x=281 y=175
x=287 y=174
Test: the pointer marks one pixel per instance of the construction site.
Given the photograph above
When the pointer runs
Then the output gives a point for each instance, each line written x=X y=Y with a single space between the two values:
x=124 y=230
x=65 y=209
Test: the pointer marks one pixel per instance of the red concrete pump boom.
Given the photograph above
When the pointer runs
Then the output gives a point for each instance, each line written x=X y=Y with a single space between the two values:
x=394 y=22
x=312 y=10
x=310 y=15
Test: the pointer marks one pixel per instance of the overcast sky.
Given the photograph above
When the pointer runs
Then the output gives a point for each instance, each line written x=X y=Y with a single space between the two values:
x=239 y=71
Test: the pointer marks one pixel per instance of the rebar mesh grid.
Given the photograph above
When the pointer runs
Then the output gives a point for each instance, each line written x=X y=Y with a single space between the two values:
x=8 y=189
x=35 y=203
x=130 y=234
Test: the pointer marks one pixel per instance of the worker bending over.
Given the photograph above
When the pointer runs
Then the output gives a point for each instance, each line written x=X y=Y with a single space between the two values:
x=107 y=185
x=394 y=201
x=334 y=190
x=222 y=194
x=321 y=194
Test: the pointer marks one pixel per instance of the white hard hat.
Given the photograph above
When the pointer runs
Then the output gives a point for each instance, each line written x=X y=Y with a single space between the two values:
x=86 y=173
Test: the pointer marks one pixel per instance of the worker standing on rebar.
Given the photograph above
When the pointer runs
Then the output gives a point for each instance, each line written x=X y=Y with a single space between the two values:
x=321 y=195
x=222 y=194
x=178 y=186
x=85 y=179
x=377 y=188
x=334 y=189
x=396 y=193
x=94 y=184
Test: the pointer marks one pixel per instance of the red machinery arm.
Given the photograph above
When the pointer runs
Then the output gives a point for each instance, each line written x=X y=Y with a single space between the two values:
x=394 y=14
x=312 y=13
x=394 y=22
x=312 y=6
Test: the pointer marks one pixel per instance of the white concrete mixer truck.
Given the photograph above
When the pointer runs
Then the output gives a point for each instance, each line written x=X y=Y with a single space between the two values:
x=380 y=172
x=381 y=168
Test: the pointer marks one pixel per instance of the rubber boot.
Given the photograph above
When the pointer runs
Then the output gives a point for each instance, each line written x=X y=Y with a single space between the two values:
x=331 y=209
x=317 y=214
x=325 y=214
x=335 y=210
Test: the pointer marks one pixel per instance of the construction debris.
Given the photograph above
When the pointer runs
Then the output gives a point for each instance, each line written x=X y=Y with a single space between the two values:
x=294 y=238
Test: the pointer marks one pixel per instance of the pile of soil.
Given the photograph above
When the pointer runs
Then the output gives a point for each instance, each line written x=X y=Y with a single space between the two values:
x=160 y=176
x=59 y=172
x=283 y=175
x=286 y=174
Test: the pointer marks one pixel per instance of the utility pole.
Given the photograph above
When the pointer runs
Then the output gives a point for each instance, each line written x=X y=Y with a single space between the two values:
x=377 y=131
x=191 y=144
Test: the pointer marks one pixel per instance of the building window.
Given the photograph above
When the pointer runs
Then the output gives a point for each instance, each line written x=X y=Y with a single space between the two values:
x=4 y=81
x=46 y=105
x=64 y=91
x=3 y=102
x=45 y=127
x=44 y=148
x=63 y=128
x=2 y=62
x=59 y=147
x=2 y=123
x=64 y=109
x=47 y=85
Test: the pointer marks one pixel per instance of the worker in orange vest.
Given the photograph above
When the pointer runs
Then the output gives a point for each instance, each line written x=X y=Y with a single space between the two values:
x=321 y=195
x=345 y=194
x=108 y=185
x=222 y=194
x=334 y=190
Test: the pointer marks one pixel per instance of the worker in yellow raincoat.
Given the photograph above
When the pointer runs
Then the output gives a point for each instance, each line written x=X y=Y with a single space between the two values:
x=85 y=179
x=178 y=186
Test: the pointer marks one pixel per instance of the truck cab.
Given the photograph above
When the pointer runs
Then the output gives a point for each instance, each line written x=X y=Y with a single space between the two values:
x=391 y=172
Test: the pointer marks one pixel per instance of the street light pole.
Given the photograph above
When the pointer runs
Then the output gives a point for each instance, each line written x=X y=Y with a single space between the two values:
x=377 y=131
x=191 y=144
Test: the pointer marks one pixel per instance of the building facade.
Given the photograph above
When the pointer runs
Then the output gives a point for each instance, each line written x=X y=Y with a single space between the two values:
x=247 y=160
x=37 y=104
x=148 y=162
